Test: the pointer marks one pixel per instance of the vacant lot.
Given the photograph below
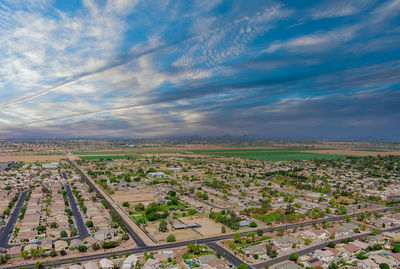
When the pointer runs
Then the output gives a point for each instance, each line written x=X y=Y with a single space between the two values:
x=208 y=227
x=181 y=234
x=134 y=196
x=32 y=158
x=284 y=154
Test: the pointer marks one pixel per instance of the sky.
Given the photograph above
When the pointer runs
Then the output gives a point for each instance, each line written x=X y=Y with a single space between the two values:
x=172 y=68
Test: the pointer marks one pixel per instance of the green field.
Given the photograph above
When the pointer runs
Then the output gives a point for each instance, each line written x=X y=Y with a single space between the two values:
x=268 y=218
x=99 y=152
x=284 y=154
x=108 y=157
x=49 y=153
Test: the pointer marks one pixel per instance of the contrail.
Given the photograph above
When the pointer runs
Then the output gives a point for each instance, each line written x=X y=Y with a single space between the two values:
x=83 y=76
x=82 y=114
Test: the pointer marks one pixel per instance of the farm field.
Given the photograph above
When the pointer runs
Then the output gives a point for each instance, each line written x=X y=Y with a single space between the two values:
x=272 y=154
x=99 y=152
x=107 y=157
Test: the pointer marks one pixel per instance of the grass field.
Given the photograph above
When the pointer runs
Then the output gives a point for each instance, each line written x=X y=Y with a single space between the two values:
x=268 y=218
x=99 y=152
x=284 y=154
x=108 y=157
x=49 y=153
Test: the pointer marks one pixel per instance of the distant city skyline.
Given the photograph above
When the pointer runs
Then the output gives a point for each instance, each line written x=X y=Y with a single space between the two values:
x=267 y=69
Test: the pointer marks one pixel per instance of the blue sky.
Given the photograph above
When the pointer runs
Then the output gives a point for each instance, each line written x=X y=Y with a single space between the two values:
x=144 y=68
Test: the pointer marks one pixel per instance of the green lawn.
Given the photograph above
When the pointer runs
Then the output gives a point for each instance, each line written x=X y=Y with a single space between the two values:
x=268 y=218
x=271 y=154
x=189 y=255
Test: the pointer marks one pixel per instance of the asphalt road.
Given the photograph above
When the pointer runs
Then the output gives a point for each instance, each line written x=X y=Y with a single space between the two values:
x=207 y=241
x=232 y=259
x=138 y=240
x=80 y=224
x=7 y=230
x=314 y=248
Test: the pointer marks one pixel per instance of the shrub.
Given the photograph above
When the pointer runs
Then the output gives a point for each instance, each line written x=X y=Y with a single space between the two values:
x=171 y=238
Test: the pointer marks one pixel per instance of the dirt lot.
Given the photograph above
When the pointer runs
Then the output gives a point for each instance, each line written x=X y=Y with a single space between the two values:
x=181 y=234
x=134 y=196
x=208 y=227
x=32 y=158
x=353 y=152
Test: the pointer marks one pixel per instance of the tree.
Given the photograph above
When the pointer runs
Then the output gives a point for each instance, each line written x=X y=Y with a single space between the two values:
x=361 y=256
x=192 y=211
x=384 y=266
x=82 y=248
x=125 y=236
x=348 y=218
x=307 y=241
x=89 y=223
x=223 y=229
x=74 y=231
x=95 y=246
x=331 y=244
x=253 y=224
x=333 y=266
x=375 y=231
x=289 y=210
x=242 y=266
x=237 y=238
x=41 y=228
x=139 y=207
x=396 y=248
x=163 y=226
x=294 y=256
x=260 y=232
x=63 y=234
x=126 y=204
x=171 y=238
x=38 y=265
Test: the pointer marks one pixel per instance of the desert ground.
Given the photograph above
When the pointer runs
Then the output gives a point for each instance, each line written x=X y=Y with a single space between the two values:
x=208 y=227
x=134 y=196
x=32 y=158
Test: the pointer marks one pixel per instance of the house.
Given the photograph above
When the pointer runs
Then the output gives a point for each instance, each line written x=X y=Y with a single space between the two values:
x=286 y=241
x=255 y=249
x=130 y=262
x=314 y=262
x=380 y=259
x=90 y=265
x=60 y=245
x=106 y=264
x=30 y=246
x=360 y=245
x=152 y=264
x=349 y=248
x=368 y=263
x=75 y=243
